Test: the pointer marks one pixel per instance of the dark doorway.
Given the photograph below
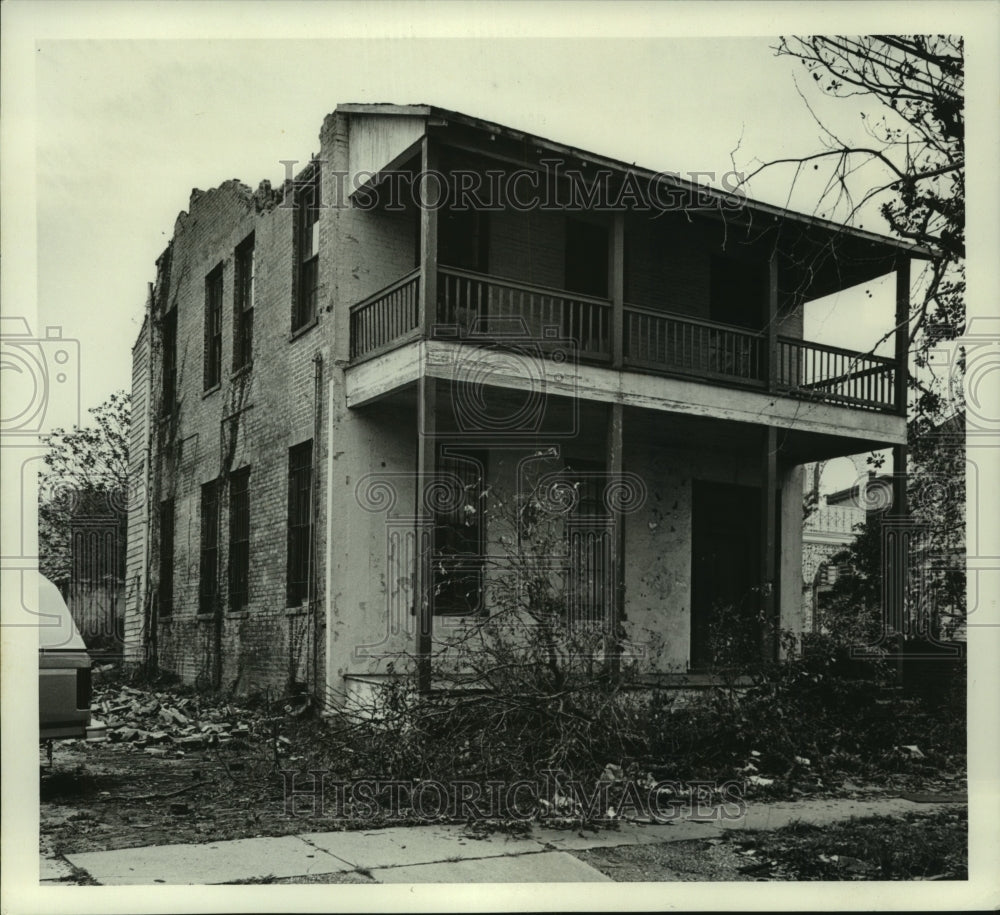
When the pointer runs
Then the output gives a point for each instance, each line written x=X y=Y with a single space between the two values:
x=725 y=574
x=586 y=258
x=738 y=292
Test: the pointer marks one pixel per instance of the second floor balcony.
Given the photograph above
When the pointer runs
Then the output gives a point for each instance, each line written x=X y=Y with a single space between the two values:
x=478 y=309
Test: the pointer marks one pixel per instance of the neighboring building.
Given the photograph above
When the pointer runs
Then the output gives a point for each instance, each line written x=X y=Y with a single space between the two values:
x=334 y=375
x=830 y=528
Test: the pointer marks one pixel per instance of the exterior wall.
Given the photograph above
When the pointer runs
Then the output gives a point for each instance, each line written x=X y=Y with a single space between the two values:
x=251 y=419
x=667 y=266
x=136 y=554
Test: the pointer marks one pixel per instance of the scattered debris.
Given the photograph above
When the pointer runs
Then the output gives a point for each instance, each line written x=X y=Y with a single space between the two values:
x=163 y=724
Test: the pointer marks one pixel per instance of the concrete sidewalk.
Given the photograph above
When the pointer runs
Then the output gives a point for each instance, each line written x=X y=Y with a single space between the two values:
x=432 y=854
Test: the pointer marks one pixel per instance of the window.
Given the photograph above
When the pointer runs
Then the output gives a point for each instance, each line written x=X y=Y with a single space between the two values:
x=243 y=307
x=169 y=362
x=307 y=204
x=208 y=591
x=738 y=292
x=463 y=240
x=213 y=328
x=586 y=258
x=458 y=541
x=299 y=516
x=239 y=539
x=589 y=545
x=165 y=591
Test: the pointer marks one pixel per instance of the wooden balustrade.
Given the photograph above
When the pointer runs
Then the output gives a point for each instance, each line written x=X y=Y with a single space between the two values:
x=479 y=309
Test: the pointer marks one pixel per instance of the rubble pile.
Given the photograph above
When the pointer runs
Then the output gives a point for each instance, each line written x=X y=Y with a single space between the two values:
x=162 y=724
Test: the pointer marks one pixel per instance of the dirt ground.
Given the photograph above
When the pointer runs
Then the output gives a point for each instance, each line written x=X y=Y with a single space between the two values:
x=182 y=769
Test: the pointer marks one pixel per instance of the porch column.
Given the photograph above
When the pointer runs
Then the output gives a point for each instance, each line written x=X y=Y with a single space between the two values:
x=615 y=465
x=896 y=540
x=618 y=291
x=771 y=327
x=423 y=584
x=769 y=540
x=902 y=340
x=428 y=240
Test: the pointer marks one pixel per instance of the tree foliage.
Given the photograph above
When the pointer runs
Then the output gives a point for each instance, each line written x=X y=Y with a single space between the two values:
x=85 y=474
x=907 y=158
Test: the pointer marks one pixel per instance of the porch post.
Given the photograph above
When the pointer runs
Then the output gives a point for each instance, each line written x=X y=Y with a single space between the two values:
x=423 y=581
x=615 y=465
x=771 y=327
x=618 y=291
x=769 y=540
x=428 y=240
x=896 y=565
x=902 y=333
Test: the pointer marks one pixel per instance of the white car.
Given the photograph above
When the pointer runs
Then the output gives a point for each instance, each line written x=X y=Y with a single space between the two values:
x=63 y=671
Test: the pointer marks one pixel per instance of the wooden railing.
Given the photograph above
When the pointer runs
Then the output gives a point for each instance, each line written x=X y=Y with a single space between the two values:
x=477 y=309
x=662 y=341
x=472 y=306
x=835 y=375
x=386 y=317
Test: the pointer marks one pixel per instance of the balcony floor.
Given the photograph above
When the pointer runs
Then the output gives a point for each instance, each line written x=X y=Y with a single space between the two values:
x=827 y=428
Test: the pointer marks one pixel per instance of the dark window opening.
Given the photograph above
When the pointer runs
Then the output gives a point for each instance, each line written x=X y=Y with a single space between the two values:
x=213 y=328
x=586 y=258
x=307 y=206
x=239 y=539
x=463 y=240
x=299 y=522
x=725 y=575
x=208 y=589
x=458 y=540
x=243 y=311
x=738 y=292
x=165 y=590
x=169 y=362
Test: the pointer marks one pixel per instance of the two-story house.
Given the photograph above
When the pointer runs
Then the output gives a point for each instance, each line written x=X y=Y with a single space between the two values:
x=339 y=380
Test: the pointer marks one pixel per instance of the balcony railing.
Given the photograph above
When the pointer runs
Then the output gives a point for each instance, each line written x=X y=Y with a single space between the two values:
x=477 y=309
x=473 y=305
x=660 y=341
x=386 y=318
x=835 y=375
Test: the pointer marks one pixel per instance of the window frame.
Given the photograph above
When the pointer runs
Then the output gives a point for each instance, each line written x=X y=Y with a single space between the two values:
x=239 y=540
x=165 y=580
x=208 y=566
x=244 y=293
x=213 y=328
x=299 y=523
x=308 y=203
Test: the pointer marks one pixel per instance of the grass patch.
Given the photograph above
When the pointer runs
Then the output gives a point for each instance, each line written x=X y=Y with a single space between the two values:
x=916 y=846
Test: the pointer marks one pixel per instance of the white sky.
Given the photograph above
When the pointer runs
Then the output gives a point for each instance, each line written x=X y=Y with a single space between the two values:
x=125 y=130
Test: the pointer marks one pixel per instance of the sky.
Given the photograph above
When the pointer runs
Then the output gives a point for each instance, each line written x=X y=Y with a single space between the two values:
x=125 y=130
x=129 y=115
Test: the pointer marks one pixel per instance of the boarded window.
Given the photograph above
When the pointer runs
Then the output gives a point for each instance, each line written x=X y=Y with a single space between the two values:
x=239 y=539
x=213 y=328
x=307 y=205
x=243 y=308
x=165 y=592
x=208 y=590
x=299 y=517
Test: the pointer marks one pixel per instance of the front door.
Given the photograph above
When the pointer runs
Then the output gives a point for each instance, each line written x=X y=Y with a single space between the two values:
x=725 y=573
